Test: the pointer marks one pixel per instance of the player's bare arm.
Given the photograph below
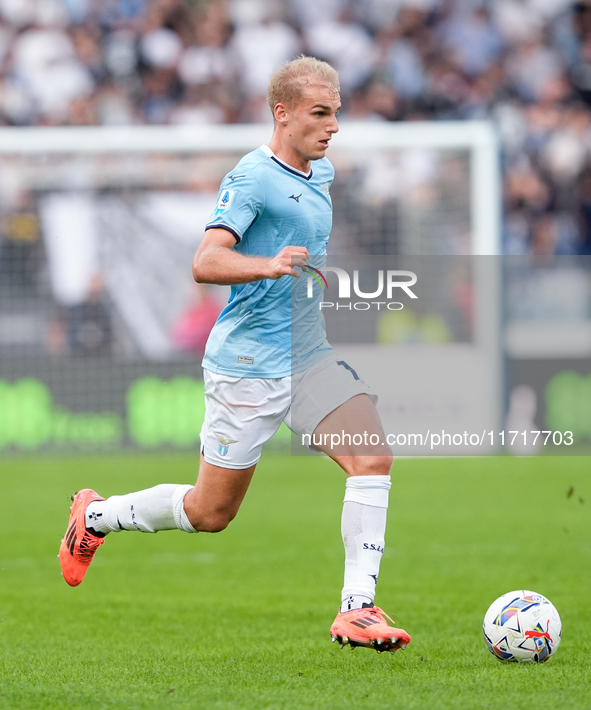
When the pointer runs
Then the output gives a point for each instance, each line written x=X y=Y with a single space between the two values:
x=216 y=262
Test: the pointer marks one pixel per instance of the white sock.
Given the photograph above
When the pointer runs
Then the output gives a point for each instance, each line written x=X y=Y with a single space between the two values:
x=363 y=526
x=150 y=510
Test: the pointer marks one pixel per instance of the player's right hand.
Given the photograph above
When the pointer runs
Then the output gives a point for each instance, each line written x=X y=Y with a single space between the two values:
x=285 y=263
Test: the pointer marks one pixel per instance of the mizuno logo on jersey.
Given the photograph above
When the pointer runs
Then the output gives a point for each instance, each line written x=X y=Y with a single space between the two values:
x=295 y=197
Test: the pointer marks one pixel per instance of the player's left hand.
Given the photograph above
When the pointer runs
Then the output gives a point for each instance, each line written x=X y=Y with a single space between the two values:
x=287 y=261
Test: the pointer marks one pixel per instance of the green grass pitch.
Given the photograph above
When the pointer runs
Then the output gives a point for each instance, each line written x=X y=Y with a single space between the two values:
x=240 y=619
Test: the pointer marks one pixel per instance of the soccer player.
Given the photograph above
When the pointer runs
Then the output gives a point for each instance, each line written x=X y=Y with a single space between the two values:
x=272 y=221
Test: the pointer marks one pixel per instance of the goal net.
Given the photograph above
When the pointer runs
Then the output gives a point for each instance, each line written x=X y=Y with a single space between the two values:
x=101 y=326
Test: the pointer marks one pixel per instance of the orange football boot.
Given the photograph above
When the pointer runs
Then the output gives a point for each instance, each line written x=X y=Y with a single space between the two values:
x=368 y=627
x=79 y=545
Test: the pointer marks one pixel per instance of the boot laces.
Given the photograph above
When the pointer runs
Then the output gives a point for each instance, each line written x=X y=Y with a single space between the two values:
x=89 y=544
x=380 y=612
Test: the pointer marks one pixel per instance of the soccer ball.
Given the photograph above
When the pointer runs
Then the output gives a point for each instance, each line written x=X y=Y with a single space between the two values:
x=522 y=627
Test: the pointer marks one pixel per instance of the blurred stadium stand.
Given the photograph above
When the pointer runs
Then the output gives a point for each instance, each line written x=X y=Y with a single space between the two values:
x=524 y=64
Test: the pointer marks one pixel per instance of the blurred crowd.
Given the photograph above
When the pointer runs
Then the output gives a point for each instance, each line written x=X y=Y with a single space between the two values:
x=525 y=64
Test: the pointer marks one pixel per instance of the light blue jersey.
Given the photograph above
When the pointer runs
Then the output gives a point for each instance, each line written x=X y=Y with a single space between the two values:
x=268 y=205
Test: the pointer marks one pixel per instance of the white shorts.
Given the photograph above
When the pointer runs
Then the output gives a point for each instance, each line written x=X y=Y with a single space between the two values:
x=243 y=413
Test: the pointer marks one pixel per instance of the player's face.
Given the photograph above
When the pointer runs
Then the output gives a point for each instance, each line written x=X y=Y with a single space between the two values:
x=312 y=123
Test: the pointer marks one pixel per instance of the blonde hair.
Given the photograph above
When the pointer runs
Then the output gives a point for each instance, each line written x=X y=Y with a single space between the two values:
x=287 y=84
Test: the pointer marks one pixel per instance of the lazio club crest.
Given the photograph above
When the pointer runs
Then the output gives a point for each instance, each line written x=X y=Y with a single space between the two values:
x=224 y=444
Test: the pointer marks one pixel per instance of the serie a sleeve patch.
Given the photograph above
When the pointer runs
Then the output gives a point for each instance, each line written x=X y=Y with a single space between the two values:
x=225 y=201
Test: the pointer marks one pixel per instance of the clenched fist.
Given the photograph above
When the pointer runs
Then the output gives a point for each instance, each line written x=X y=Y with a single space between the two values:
x=285 y=262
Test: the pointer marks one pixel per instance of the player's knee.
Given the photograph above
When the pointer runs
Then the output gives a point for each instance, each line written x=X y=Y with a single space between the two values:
x=385 y=464
x=372 y=465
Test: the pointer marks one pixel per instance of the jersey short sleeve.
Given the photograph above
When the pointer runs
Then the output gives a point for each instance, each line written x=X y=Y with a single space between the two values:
x=241 y=201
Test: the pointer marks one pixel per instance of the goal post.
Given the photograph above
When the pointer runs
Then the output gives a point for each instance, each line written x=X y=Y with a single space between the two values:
x=479 y=138
x=99 y=228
